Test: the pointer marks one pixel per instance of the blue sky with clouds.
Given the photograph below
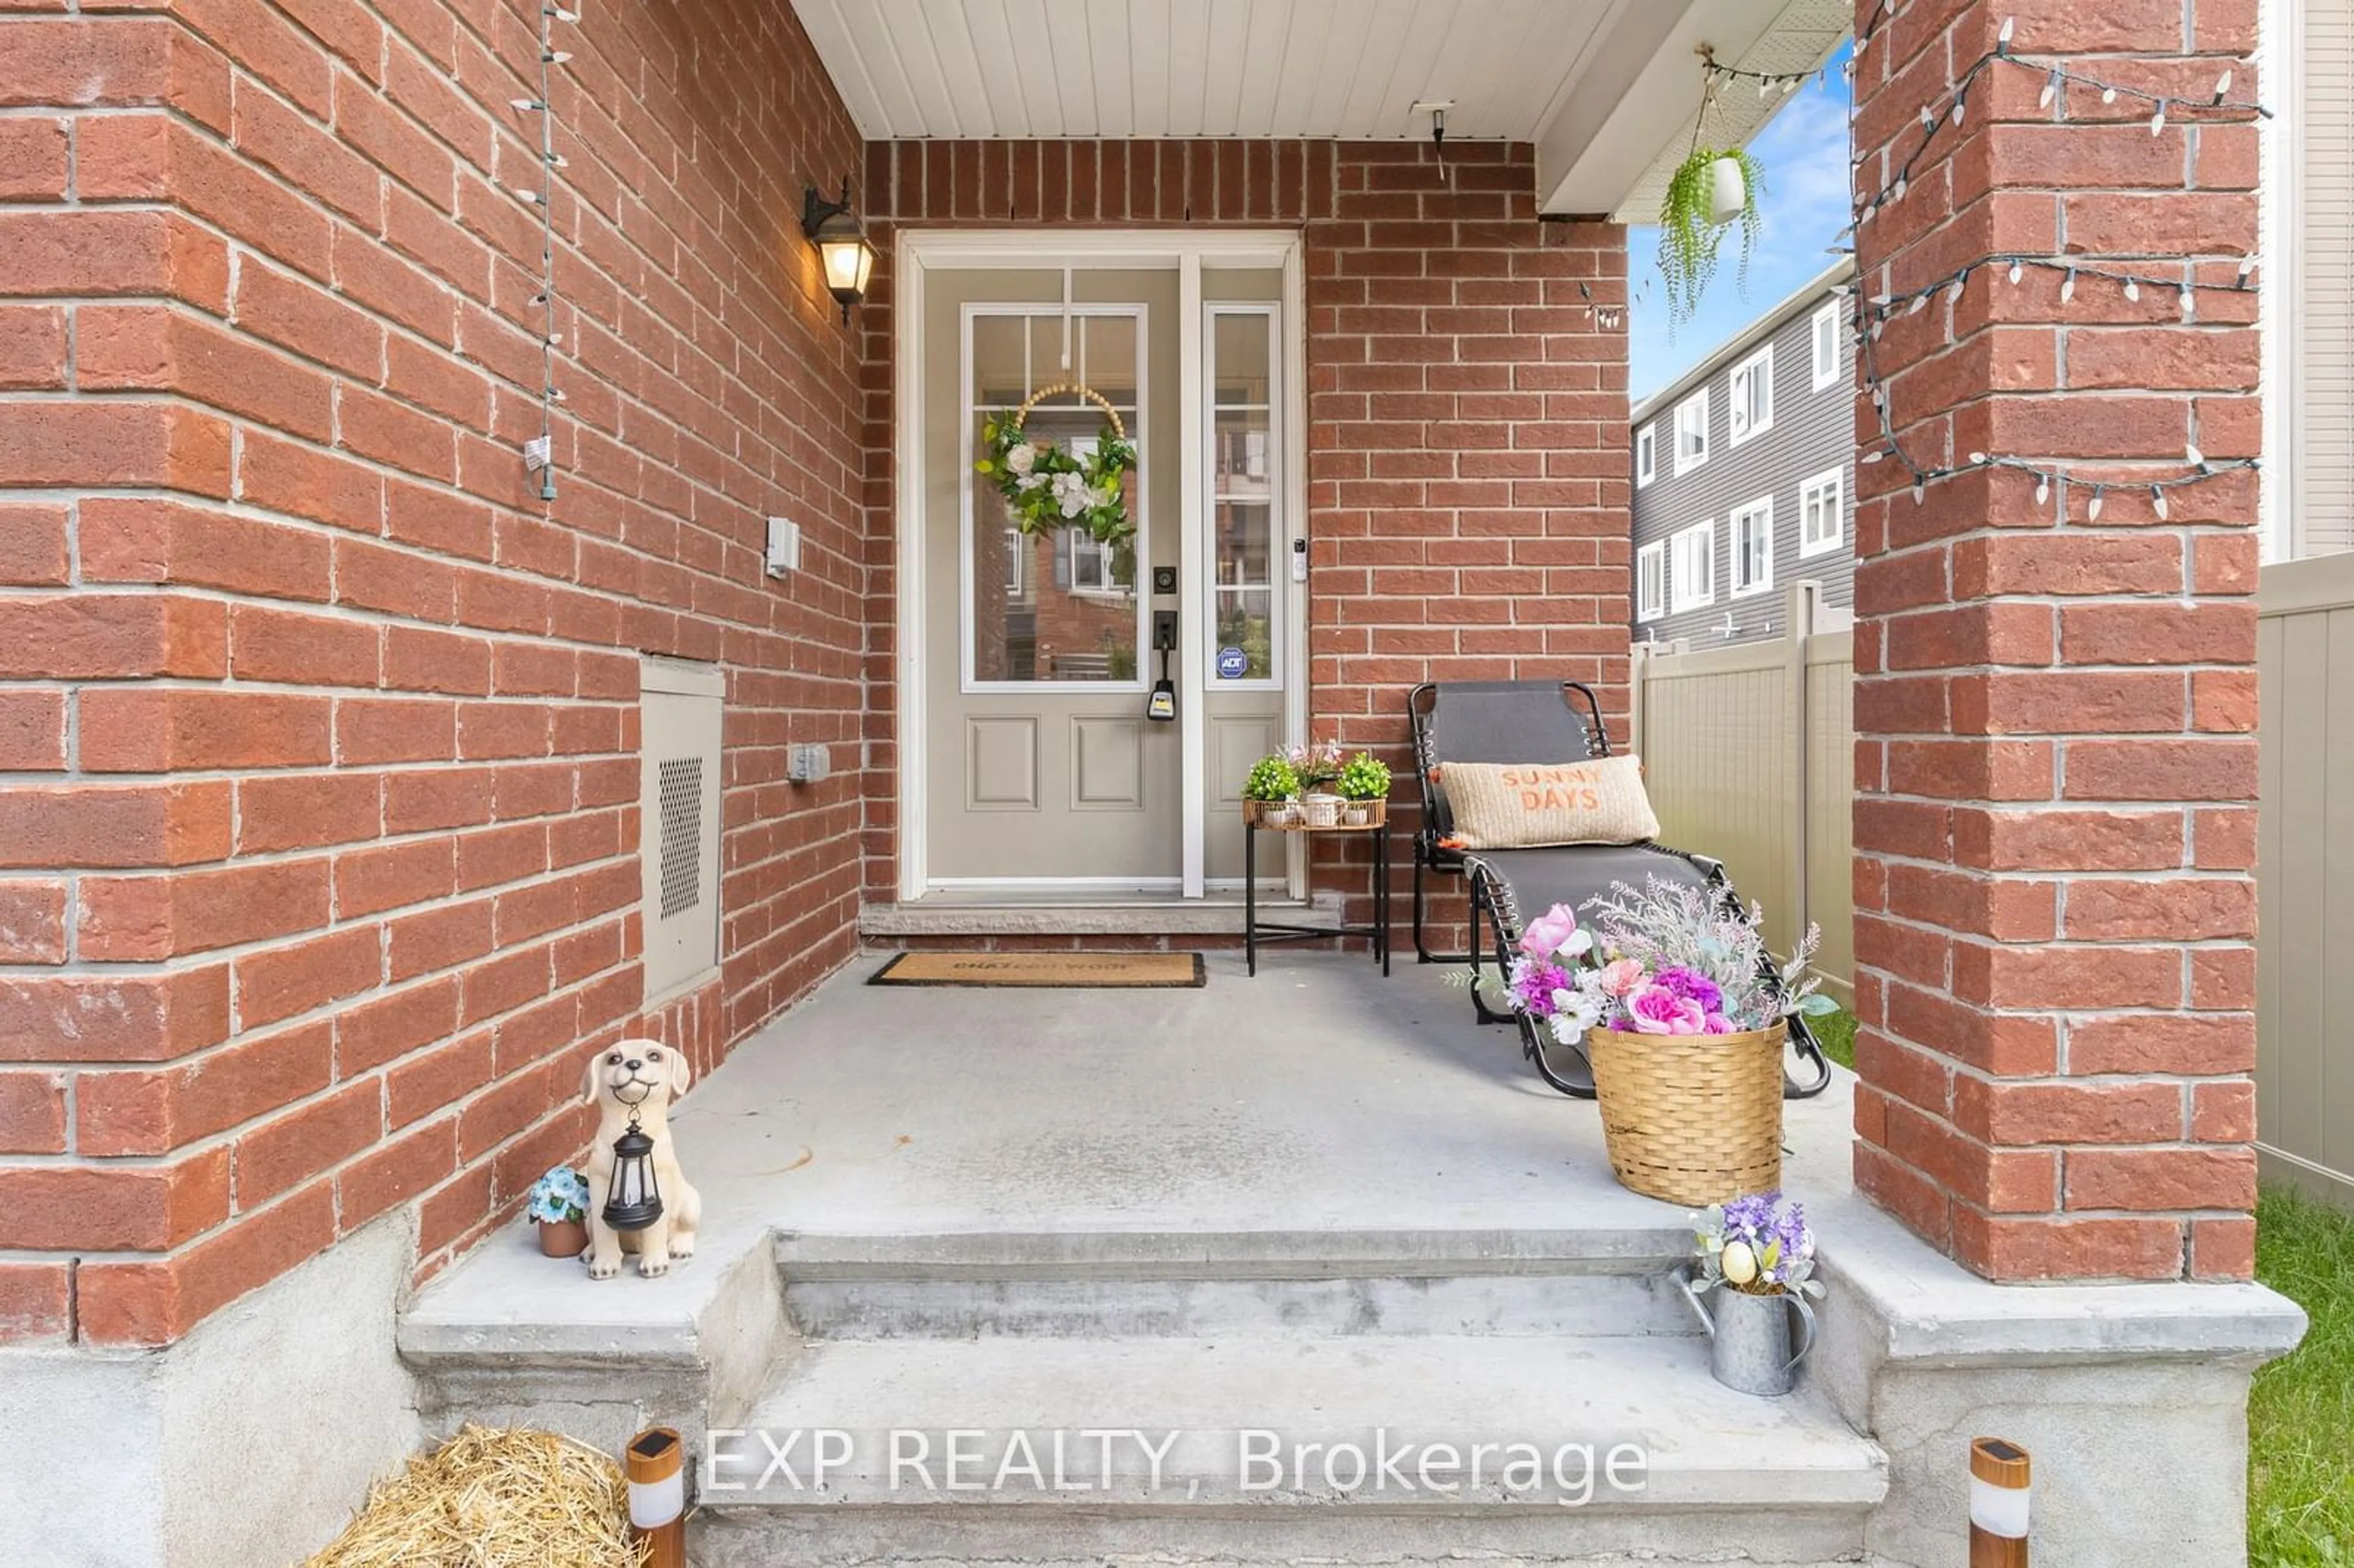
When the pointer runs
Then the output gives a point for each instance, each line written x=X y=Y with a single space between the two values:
x=1804 y=149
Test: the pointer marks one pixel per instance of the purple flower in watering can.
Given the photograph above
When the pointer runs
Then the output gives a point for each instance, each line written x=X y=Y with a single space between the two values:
x=1757 y=1256
x=1760 y=1244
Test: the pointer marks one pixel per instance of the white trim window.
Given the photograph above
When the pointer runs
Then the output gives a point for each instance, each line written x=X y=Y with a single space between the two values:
x=1822 y=513
x=1652 y=581
x=1692 y=432
x=1088 y=565
x=1749 y=403
x=1824 y=336
x=1647 y=454
x=1691 y=567
x=1751 y=531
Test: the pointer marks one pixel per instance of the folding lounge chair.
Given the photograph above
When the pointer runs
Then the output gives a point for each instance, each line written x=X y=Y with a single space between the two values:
x=1530 y=722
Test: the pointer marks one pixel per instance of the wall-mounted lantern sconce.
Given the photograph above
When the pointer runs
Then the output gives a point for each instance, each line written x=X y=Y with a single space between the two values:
x=841 y=244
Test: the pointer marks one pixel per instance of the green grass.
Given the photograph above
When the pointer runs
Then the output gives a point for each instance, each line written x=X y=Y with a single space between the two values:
x=2301 y=1411
x=1835 y=1033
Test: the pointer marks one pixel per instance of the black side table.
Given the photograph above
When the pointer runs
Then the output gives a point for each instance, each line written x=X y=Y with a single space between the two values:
x=1256 y=930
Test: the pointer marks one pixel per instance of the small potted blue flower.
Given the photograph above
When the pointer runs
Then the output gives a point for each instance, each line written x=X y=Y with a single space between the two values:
x=559 y=1202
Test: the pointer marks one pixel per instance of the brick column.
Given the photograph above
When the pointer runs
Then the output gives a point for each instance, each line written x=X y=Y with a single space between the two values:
x=2056 y=768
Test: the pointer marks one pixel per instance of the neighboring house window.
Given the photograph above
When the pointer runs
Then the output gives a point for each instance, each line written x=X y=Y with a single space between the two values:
x=1752 y=528
x=1652 y=581
x=1825 y=341
x=1691 y=567
x=1090 y=563
x=1017 y=558
x=1751 y=404
x=1646 y=455
x=1692 y=431
x=1822 y=519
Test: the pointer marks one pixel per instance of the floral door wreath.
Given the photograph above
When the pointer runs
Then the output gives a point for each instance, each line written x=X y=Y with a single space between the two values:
x=1047 y=488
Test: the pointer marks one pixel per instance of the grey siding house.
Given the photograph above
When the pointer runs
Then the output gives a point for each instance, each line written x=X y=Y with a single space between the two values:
x=1744 y=476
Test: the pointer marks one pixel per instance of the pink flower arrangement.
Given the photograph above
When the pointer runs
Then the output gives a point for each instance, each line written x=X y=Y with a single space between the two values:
x=1675 y=960
x=1655 y=1009
x=1553 y=934
x=1620 y=977
x=1318 y=763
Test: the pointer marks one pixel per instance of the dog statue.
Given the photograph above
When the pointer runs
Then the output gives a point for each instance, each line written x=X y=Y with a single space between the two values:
x=640 y=1077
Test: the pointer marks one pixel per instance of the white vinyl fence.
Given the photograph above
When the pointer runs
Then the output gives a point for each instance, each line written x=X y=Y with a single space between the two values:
x=1748 y=753
x=2305 y=875
x=1748 y=757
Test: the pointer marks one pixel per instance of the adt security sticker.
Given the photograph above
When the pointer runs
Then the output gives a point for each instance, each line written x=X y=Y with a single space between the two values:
x=1232 y=664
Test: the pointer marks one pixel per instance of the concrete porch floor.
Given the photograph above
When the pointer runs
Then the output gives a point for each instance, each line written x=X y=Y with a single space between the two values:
x=1317 y=1096
x=1318 y=1100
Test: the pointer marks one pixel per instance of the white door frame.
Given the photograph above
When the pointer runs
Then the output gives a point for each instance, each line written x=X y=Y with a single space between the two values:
x=915 y=250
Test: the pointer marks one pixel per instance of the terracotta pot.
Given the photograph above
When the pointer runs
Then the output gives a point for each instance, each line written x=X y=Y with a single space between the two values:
x=563 y=1238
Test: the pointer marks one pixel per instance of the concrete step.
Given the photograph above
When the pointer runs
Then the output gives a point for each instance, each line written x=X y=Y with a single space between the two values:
x=1271 y=1448
x=1117 y=1284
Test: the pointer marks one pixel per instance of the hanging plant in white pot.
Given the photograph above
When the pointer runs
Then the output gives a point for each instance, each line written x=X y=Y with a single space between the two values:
x=1728 y=186
x=1713 y=188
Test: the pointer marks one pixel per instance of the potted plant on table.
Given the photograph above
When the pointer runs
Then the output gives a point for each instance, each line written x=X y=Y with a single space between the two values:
x=559 y=1202
x=1271 y=792
x=1682 y=1016
x=1318 y=763
x=1365 y=786
x=1757 y=1256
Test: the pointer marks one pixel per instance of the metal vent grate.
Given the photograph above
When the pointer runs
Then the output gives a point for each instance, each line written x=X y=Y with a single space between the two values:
x=678 y=793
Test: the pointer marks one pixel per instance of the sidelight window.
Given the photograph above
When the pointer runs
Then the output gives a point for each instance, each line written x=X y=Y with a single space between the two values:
x=1244 y=492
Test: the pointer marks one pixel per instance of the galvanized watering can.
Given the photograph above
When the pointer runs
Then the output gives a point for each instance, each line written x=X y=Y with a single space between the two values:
x=1749 y=1336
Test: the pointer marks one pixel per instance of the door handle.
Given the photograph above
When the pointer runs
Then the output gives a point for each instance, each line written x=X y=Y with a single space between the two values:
x=1161 y=705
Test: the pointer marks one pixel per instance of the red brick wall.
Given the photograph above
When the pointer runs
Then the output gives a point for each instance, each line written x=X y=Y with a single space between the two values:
x=2056 y=772
x=1468 y=470
x=320 y=847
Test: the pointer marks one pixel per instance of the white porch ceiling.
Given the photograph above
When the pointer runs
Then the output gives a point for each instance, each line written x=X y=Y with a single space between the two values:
x=1599 y=85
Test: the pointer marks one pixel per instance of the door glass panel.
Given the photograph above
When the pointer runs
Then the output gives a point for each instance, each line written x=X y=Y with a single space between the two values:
x=1239 y=342
x=1056 y=606
x=1242 y=547
x=1105 y=347
x=1000 y=362
x=1243 y=496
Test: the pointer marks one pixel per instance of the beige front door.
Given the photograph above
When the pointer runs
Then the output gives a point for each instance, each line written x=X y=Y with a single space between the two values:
x=1043 y=774
x=1045 y=767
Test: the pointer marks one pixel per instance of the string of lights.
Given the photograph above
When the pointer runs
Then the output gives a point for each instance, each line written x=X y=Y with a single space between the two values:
x=1890 y=449
x=1882 y=14
x=1880 y=309
x=540 y=453
x=1951 y=106
x=1872 y=312
x=1768 y=81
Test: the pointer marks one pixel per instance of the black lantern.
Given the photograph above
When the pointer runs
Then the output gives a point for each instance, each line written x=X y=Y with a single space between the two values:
x=840 y=245
x=633 y=1201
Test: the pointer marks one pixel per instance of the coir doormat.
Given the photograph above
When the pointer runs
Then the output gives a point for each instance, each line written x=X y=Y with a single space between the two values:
x=1104 y=972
